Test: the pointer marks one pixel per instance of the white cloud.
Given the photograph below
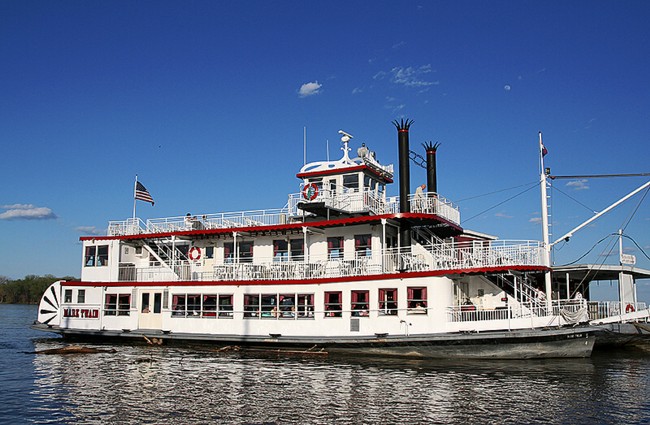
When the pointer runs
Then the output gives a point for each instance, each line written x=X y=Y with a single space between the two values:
x=309 y=89
x=26 y=212
x=412 y=77
x=502 y=215
x=535 y=220
x=356 y=90
x=90 y=230
x=578 y=184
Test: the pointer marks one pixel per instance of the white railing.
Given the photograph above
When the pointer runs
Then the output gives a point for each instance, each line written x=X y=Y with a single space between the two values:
x=368 y=201
x=427 y=258
x=130 y=226
x=432 y=203
x=604 y=309
x=351 y=202
x=565 y=308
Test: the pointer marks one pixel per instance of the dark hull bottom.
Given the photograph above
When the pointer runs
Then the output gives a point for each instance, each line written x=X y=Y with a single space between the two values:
x=615 y=335
x=519 y=344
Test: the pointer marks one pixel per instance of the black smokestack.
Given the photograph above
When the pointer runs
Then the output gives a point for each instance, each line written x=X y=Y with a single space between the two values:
x=403 y=126
x=432 y=175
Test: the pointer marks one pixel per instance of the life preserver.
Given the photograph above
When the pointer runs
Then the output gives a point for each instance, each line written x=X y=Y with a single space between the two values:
x=310 y=191
x=629 y=308
x=194 y=254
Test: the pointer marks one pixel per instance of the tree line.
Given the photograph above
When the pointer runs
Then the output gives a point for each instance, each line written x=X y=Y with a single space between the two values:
x=27 y=290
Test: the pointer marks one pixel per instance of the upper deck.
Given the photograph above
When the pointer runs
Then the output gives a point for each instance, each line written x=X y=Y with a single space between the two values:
x=350 y=203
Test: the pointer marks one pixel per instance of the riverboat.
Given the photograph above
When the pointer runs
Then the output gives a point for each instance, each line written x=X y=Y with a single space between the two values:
x=343 y=267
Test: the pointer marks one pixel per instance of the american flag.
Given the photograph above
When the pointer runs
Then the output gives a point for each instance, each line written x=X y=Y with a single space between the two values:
x=142 y=193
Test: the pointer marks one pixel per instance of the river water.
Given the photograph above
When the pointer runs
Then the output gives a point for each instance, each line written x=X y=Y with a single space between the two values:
x=172 y=385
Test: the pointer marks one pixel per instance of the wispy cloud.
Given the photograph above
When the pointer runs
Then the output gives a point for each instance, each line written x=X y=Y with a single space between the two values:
x=309 y=89
x=578 y=184
x=90 y=230
x=26 y=212
x=379 y=76
x=357 y=90
x=412 y=77
x=502 y=215
x=535 y=220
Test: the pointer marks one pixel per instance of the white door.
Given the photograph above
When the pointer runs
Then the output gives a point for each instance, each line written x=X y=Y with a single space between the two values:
x=150 y=308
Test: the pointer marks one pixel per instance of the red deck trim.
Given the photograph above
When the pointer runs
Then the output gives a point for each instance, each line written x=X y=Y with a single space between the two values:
x=319 y=281
x=278 y=227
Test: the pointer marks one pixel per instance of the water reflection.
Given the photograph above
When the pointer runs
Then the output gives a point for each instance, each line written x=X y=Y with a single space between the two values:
x=145 y=384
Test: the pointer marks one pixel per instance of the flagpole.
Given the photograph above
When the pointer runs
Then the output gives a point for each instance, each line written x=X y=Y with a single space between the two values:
x=135 y=187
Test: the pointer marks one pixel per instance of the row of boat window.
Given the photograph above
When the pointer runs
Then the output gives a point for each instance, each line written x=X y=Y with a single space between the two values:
x=271 y=306
x=293 y=249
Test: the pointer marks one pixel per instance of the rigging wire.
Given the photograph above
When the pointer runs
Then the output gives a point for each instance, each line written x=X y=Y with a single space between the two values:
x=607 y=252
x=496 y=191
x=574 y=199
x=502 y=202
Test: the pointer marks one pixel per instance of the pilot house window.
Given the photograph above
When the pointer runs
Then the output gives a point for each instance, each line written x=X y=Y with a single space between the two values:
x=96 y=256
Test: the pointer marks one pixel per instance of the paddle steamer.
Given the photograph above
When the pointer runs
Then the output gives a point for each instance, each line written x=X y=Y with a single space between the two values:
x=342 y=267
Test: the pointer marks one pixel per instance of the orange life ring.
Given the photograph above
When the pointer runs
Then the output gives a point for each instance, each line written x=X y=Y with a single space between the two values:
x=310 y=191
x=194 y=254
x=629 y=308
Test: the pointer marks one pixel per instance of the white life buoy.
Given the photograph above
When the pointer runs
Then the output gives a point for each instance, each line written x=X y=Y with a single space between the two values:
x=195 y=254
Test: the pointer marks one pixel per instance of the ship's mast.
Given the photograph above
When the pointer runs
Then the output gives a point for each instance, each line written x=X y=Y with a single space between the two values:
x=547 y=246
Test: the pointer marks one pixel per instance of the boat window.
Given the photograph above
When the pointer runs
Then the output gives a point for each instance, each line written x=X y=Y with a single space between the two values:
x=388 y=301
x=123 y=304
x=245 y=251
x=193 y=305
x=209 y=252
x=81 y=296
x=297 y=249
x=335 y=247
x=416 y=300
x=117 y=305
x=102 y=255
x=157 y=302
x=67 y=296
x=269 y=306
x=305 y=307
x=96 y=256
x=89 y=259
x=332 y=187
x=351 y=182
x=280 y=250
x=225 y=305
x=333 y=304
x=144 y=307
x=251 y=305
x=359 y=305
x=178 y=305
x=209 y=305
x=362 y=245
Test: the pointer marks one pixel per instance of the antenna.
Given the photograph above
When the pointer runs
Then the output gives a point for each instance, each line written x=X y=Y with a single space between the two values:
x=304 y=145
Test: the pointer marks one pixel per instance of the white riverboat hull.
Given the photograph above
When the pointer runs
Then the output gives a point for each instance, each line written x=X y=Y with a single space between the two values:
x=519 y=344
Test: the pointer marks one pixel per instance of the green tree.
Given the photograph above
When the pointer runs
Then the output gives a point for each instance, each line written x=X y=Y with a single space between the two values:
x=27 y=290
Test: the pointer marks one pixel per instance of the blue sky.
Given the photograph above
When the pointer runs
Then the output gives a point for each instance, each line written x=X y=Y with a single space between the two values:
x=207 y=100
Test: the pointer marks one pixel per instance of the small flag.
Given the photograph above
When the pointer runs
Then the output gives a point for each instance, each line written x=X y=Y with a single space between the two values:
x=142 y=193
x=544 y=150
